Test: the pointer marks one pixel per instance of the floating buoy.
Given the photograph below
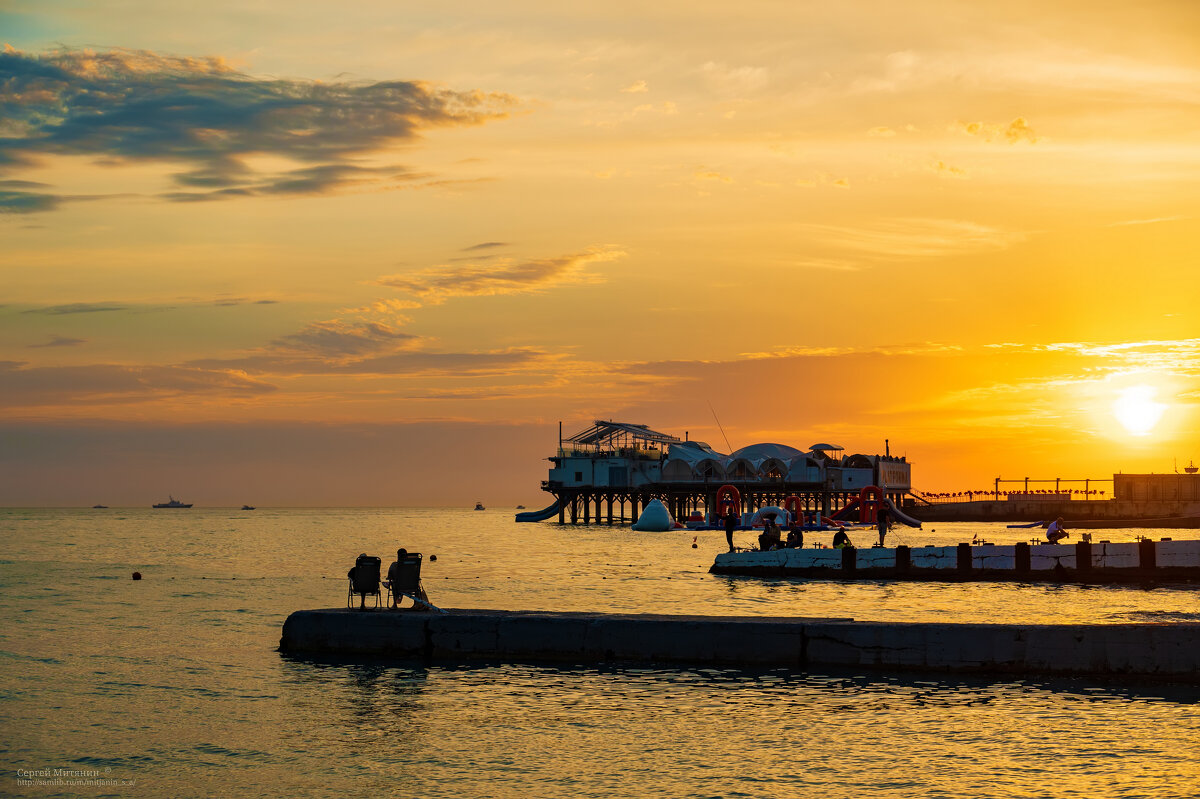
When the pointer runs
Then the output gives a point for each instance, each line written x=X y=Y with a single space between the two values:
x=432 y=558
x=694 y=545
x=137 y=575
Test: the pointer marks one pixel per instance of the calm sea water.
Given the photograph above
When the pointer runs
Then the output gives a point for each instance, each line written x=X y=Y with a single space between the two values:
x=171 y=686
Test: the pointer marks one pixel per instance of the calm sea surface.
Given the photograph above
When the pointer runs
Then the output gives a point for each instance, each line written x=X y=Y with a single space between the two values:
x=172 y=687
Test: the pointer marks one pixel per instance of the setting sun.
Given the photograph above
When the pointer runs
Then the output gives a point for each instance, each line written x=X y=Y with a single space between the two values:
x=1137 y=410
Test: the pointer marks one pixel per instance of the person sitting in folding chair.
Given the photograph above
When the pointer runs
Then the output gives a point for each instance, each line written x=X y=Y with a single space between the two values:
x=404 y=580
x=364 y=581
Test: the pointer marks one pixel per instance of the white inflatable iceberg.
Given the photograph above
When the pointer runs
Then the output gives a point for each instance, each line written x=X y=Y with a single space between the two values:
x=654 y=518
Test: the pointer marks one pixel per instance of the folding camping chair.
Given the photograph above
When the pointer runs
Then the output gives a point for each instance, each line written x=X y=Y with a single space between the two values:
x=364 y=582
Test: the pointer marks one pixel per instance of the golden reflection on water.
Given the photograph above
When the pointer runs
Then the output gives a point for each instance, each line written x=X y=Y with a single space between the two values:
x=497 y=730
x=174 y=680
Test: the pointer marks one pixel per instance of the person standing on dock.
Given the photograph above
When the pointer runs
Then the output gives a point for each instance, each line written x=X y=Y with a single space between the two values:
x=1056 y=532
x=731 y=523
x=883 y=522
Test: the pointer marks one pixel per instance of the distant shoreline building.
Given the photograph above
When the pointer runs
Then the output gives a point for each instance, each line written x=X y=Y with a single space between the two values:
x=596 y=473
x=1156 y=499
x=1157 y=487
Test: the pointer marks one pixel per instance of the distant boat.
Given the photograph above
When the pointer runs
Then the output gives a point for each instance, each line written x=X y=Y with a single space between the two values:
x=99 y=506
x=520 y=507
x=479 y=506
x=174 y=503
x=247 y=507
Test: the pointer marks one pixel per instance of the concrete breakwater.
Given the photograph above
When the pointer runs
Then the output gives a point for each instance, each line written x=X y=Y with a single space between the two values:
x=1086 y=562
x=1162 y=513
x=1158 y=650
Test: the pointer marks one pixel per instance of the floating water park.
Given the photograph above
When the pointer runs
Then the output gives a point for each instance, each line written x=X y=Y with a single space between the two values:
x=612 y=471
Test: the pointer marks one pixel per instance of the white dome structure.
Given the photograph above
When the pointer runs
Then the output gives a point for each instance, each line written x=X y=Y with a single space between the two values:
x=760 y=452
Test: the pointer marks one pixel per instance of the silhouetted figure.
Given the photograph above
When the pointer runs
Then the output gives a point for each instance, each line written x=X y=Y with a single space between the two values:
x=364 y=580
x=841 y=540
x=404 y=579
x=769 y=538
x=731 y=521
x=1056 y=532
x=883 y=522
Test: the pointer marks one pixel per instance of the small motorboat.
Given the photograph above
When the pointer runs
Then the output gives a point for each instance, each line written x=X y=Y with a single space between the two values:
x=247 y=507
x=99 y=506
x=479 y=506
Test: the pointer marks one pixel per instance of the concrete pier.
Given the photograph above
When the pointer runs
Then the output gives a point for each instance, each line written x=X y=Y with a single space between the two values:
x=1169 y=651
x=1083 y=562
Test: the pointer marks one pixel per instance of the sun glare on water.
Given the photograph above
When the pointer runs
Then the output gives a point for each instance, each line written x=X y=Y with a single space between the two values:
x=1137 y=410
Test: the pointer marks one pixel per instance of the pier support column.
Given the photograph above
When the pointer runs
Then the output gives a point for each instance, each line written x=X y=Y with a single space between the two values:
x=964 y=558
x=1083 y=557
x=1022 y=558
x=1147 y=558
x=610 y=504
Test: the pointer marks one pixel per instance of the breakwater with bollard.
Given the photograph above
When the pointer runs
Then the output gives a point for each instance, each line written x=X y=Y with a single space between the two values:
x=1142 y=561
x=1170 y=651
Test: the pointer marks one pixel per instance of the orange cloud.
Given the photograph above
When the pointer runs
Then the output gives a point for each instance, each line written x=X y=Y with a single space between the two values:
x=1016 y=131
x=505 y=276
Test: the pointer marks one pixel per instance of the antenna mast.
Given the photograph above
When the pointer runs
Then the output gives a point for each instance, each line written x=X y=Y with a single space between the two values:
x=719 y=427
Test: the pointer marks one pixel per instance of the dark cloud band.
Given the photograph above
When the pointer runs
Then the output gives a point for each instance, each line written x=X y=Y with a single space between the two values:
x=138 y=106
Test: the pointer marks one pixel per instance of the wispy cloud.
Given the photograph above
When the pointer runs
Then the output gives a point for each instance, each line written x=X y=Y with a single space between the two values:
x=139 y=308
x=307 y=181
x=1153 y=221
x=78 y=307
x=339 y=340
x=138 y=106
x=280 y=360
x=940 y=167
x=1181 y=356
x=60 y=341
x=505 y=276
x=233 y=301
x=914 y=238
x=1016 y=131
x=25 y=386
x=737 y=80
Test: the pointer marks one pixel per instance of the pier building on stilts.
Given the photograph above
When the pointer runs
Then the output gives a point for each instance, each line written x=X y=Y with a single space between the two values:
x=610 y=471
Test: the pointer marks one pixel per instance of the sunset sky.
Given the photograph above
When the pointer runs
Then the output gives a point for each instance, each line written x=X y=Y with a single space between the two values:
x=372 y=253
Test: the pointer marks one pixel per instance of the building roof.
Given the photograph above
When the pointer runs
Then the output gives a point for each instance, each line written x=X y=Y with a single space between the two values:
x=605 y=431
x=760 y=452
